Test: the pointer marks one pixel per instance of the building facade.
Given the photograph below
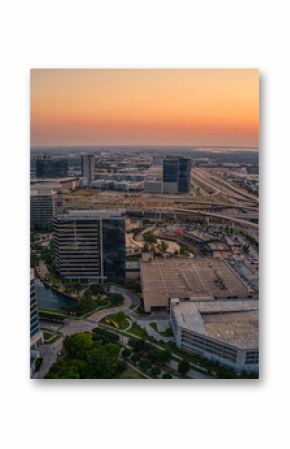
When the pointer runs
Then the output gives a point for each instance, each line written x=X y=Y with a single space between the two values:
x=90 y=245
x=35 y=333
x=48 y=167
x=88 y=167
x=43 y=206
x=225 y=332
x=176 y=175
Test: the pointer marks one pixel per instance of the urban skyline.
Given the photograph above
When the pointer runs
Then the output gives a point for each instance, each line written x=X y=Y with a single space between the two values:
x=144 y=258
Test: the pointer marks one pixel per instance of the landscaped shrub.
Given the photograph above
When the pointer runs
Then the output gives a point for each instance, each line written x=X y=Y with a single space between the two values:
x=136 y=345
x=148 y=346
x=145 y=364
x=126 y=353
x=183 y=367
x=135 y=358
x=166 y=376
x=104 y=336
x=155 y=371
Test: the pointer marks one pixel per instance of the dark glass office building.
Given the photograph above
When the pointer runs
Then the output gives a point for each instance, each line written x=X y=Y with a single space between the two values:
x=184 y=175
x=114 y=250
x=35 y=334
x=176 y=175
x=90 y=245
x=47 y=167
x=170 y=170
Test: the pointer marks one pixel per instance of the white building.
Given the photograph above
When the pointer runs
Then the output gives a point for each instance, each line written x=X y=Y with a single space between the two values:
x=222 y=331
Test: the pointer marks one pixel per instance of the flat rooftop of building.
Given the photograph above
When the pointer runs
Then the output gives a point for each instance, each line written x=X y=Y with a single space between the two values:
x=42 y=191
x=233 y=322
x=199 y=279
x=92 y=214
x=53 y=180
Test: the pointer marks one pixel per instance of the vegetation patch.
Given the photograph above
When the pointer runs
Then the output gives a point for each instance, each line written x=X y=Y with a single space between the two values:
x=118 y=320
x=85 y=358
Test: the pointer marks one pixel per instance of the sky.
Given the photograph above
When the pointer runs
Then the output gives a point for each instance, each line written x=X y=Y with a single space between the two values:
x=199 y=107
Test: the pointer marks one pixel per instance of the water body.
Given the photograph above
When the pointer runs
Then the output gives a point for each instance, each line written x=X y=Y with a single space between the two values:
x=49 y=299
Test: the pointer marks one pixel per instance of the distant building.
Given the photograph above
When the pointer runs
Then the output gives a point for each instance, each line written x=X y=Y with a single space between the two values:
x=35 y=333
x=58 y=184
x=43 y=206
x=48 y=167
x=226 y=332
x=176 y=175
x=88 y=167
x=90 y=245
x=153 y=187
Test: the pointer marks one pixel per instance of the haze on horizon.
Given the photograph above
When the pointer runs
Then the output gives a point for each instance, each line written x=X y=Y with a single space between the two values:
x=199 y=107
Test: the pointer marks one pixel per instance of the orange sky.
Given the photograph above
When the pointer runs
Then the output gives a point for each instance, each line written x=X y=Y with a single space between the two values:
x=144 y=107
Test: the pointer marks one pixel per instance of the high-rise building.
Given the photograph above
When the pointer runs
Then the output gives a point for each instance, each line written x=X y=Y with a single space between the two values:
x=48 y=167
x=176 y=175
x=43 y=206
x=88 y=167
x=35 y=333
x=90 y=245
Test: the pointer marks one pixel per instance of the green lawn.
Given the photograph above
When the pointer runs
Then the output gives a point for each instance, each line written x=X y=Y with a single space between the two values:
x=50 y=337
x=166 y=333
x=118 y=320
x=130 y=373
x=138 y=331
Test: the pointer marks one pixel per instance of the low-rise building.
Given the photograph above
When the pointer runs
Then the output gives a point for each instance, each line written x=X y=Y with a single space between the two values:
x=153 y=187
x=199 y=279
x=226 y=332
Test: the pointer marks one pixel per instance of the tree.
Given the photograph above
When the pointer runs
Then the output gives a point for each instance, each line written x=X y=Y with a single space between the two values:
x=164 y=356
x=104 y=336
x=64 y=369
x=103 y=362
x=149 y=237
x=156 y=355
x=166 y=376
x=126 y=353
x=155 y=371
x=148 y=346
x=136 y=345
x=97 y=288
x=77 y=345
x=145 y=364
x=135 y=358
x=183 y=367
x=34 y=259
x=85 y=304
x=85 y=358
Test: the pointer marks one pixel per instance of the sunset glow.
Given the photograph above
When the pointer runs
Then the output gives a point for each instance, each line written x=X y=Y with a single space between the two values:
x=145 y=107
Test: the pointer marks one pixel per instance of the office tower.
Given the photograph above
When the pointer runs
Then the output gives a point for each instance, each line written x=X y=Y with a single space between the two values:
x=43 y=206
x=35 y=333
x=176 y=175
x=90 y=245
x=184 y=175
x=48 y=167
x=88 y=167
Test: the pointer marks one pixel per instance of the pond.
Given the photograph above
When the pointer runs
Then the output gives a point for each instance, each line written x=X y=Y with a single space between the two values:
x=49 y=299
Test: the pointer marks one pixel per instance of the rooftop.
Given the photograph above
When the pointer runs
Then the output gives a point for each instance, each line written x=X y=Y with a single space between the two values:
x=232 y=322
x=199 y=279
x=92 y=214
